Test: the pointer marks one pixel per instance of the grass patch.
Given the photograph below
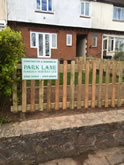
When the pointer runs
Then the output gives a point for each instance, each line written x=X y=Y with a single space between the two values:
x=76 y=79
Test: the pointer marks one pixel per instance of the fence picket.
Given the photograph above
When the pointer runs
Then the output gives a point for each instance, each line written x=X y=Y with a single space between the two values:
x=65 y=85
x=72 y=88
x=49 y=95
x=100 y=84
x=57 y=90
x=32 y=95
x=113 y=83
x=80 y=63
x=120 y=76
x=24 y=96
x=41 y=94
x=107 y=85
x=15 y=96
x=87 y=84
x=94 y=85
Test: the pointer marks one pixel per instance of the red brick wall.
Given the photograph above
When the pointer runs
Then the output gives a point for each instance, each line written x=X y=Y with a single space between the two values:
x=62 y=51
x=91 y=51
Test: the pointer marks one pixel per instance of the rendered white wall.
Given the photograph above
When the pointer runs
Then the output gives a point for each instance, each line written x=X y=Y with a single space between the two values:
x=102 y=17
x=2 y=13
x=66 y=13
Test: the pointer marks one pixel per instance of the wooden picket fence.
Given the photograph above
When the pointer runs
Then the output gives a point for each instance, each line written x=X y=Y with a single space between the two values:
x=86 y=84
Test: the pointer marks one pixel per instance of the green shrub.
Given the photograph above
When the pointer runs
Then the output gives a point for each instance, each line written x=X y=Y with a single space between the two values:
x=11 y=52
x=119 y=56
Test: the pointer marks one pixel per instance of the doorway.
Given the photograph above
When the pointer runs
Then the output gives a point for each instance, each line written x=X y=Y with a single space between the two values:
x=81 y=45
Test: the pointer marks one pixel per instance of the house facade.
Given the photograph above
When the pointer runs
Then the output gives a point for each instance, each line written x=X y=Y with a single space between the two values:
x=3 y=14
x=68 y=29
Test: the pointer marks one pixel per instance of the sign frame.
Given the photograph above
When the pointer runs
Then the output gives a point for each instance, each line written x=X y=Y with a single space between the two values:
x=39 y=69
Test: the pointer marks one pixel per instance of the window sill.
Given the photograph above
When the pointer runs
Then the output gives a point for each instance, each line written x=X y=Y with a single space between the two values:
x=81 y=16
x=93 y=46
x=45 y=12
x=44 y=57
x=115 y=20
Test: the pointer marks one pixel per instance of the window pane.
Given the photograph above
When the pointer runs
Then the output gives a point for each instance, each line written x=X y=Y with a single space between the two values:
x=122 y=14
x=40 y=44
x=87 y=9
x=69 y=40
x=94 y=40
x=105 y=44
x=44 y=5
x=50 y=5
x=82 y=8
x=119 y=13
x=38 y=4
x=47 y=44
x=115 y=13
x=54 y=40
x=33 y=39
x=111 y=44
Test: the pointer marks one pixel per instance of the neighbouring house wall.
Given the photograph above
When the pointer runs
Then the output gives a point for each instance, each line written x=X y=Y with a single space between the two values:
x=2 y=10
x=94 y=51
x=62 y=51
x=102 y=17
x=65 y=13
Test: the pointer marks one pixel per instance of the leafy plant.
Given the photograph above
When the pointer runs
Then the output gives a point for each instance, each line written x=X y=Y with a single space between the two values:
x=4 y=119
x=119 y=56
x=11 y=52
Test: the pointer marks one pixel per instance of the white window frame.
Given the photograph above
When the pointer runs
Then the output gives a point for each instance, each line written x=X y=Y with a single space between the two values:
x=37 y=43
x=47 y=7
x=84 y=15
x=44 y=56
x=54 y=47
x=67 y=38
x=108 y=38
x=121 y=8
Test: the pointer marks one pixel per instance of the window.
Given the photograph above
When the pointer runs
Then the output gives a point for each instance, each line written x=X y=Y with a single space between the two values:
x=33 y=40
x=94 y=40
x=69 y=40
x=112 y=44
x=118 y=13
x=85 y=8
x=54 y=41
x=44 y=5
x=119 y=44
x=44 y=42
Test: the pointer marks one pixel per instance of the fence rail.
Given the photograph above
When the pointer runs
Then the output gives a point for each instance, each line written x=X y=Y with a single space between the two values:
x=81 y=84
